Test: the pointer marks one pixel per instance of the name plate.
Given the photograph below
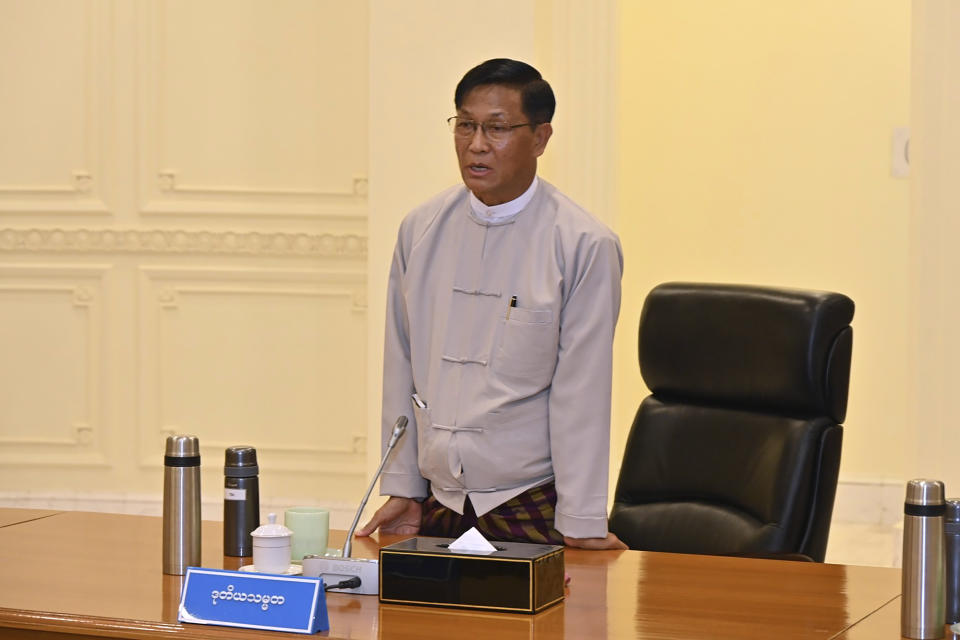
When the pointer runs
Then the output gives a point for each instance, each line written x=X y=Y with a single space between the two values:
x=253 y=601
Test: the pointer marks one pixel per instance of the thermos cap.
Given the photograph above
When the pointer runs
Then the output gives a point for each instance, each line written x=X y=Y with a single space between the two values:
x=240 y=462
x=925 y=492
x=953 y=511
x=182 y=447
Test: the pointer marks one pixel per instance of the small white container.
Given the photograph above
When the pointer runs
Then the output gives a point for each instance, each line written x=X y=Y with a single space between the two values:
x=271 y=547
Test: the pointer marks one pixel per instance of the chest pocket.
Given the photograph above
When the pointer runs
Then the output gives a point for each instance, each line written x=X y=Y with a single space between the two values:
x=527 y=351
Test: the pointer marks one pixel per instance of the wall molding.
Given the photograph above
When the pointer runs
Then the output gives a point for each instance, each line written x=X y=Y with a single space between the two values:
x=82 y=188
x=165 y=290
x=167 y=181
x=81 y=182
x=169 y=189
x=78 y=442
x=184 y=241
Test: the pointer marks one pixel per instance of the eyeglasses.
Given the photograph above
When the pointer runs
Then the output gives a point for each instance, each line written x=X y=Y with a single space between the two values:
x=494 y=131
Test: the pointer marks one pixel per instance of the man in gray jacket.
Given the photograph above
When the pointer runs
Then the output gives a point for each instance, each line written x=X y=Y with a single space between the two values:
x=502 y=302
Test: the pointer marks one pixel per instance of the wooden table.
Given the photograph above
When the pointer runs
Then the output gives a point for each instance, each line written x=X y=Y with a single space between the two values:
x=74 y=575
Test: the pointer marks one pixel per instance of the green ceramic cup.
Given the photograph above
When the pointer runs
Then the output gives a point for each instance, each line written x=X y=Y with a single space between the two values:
x=311 y=528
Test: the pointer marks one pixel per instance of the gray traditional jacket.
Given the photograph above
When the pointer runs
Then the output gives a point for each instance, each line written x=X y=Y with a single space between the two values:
x=516 y=395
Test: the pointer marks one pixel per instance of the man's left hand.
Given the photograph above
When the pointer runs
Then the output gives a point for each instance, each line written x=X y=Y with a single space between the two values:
x=611 y=542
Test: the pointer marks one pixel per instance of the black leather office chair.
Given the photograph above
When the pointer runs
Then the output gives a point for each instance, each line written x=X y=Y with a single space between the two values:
x=737 y=450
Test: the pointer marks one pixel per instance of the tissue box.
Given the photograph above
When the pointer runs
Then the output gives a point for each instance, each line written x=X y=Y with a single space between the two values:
x=517 y=577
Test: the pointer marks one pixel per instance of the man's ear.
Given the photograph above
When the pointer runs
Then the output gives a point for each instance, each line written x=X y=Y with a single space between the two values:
x=541 y=135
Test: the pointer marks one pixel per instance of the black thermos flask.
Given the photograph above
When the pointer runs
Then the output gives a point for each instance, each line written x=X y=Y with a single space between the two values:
x=241 y=500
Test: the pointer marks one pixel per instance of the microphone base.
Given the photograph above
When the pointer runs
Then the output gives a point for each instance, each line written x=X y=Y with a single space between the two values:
x=334 y=570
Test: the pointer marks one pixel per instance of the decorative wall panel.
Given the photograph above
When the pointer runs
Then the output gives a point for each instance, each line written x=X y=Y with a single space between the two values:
x=253 y=108
x=55 y=92
x=51 y=338
x=269 y=357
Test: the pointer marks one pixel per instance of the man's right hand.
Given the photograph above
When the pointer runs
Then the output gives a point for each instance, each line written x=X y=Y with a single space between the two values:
x=397 y=515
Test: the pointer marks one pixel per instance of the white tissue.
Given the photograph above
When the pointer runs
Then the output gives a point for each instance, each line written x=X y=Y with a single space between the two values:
x=473 y=541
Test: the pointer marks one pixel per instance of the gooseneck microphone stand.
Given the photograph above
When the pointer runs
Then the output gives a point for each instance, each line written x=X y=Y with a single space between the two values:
x=398 y=429
x=354 y=575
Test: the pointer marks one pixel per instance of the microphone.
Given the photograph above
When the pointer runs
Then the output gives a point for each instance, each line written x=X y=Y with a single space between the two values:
x=398 y=430
x=346 y=570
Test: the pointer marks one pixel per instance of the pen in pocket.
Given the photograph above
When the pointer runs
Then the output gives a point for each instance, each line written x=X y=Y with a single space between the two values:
x=513 y=303
x=417 y=401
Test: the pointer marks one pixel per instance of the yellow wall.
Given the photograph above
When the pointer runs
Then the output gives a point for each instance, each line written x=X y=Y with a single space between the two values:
x=755 y=145
x=752 y=146
x=935 y=227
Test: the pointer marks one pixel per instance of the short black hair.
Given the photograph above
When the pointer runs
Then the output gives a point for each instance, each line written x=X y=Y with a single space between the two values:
x=536 y=95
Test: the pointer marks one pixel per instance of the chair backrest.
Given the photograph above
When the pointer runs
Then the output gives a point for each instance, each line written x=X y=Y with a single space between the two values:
x=737 y=450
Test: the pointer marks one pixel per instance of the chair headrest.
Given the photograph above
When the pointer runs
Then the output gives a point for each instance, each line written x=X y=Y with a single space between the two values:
x=781 y=350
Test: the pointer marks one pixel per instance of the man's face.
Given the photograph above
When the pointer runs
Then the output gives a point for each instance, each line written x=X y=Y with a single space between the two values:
x=497 y=172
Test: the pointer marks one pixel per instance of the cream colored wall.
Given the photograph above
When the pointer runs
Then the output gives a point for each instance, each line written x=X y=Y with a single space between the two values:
x=935 y=227
x=153 y=229
x=182 y=246
x=755 y=143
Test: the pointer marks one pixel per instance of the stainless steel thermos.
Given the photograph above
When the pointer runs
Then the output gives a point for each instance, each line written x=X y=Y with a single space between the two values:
x=241 y=500
x=922 y=600
x=951 y=541
x=181 y=504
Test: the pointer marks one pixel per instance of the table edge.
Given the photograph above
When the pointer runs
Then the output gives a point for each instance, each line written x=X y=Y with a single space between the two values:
x=48 y=621
x=863 y=619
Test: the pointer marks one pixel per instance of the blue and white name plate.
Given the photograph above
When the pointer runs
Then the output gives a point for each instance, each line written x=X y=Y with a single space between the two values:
x=253 y=601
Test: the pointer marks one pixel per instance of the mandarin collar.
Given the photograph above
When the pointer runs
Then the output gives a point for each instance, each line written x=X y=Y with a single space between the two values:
x=502 y=213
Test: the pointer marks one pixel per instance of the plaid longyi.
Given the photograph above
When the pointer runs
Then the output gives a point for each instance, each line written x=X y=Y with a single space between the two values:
x=526 y=518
